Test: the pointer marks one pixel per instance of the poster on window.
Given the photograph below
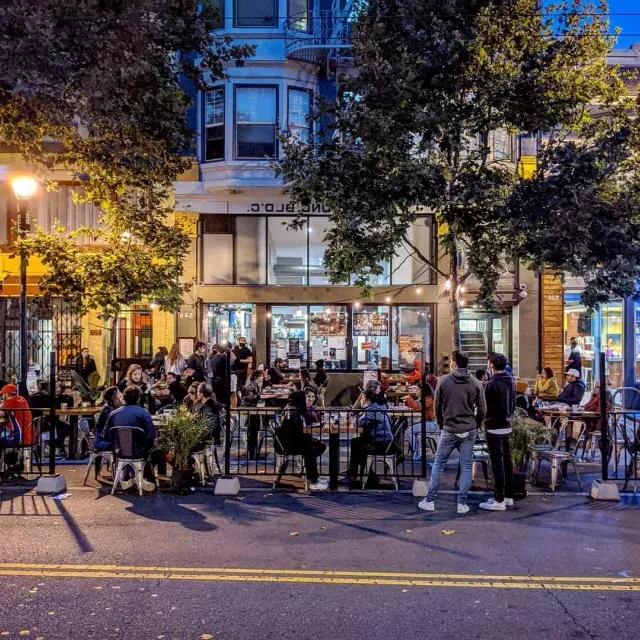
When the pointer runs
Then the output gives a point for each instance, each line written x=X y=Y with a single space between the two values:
x=370 y=324
x=409 y=346
x=328 y=324
x=294 y=347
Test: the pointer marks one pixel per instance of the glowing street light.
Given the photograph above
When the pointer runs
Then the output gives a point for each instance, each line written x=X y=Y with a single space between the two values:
x=24 y=187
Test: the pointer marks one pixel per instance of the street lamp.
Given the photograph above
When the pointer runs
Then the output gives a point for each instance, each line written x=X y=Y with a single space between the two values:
x=23 y=187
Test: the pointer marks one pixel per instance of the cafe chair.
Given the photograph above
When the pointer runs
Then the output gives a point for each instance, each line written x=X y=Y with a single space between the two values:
x=200 y=464
x=31 y=452
x=389 y=460
x=557 y=456
x=88 y=439
x=284 y=459
x=127 y=444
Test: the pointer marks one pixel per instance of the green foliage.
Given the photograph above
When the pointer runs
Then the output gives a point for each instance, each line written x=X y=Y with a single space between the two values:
x=99 y=91
x=580 y=214
x=411 y=132
x=526 y=433
x=181 y=434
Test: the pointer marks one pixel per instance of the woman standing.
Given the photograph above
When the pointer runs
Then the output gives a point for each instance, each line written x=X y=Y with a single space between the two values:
x=174 y=362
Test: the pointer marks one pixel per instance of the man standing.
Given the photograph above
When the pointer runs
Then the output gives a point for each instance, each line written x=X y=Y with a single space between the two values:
x=196 y=364
x=460 y=409
x=244 y=360
x=86 y=368
x=573 y=357
x=500 y=394
x=221 y=367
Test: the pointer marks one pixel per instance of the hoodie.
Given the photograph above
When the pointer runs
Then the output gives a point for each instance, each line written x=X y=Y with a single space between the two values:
x=500 y=395
x=459 y=402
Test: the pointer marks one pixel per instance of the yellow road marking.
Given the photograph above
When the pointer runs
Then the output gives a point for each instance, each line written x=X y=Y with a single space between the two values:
x=309 y=576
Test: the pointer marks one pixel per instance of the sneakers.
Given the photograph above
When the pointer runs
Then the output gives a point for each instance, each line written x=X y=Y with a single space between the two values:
x=148 y=486
x=508 y=502
x=426 y=505
x=319 y=485
x=492 y=505
x=463 y=508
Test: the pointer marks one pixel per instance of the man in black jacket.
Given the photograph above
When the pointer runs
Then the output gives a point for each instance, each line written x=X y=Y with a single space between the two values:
x=500 y=393
x=196 y=364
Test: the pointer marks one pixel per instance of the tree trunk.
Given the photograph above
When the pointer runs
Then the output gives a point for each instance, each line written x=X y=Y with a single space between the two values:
x=453 y=297
x=111 y=325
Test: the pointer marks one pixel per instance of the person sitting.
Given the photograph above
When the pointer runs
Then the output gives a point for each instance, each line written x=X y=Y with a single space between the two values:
x=136 y=376
x=112 y=398
x=294 y=440
x=177 y=391
x=594 y=424
x=429 y=417
x=522 y=399
x=573 y=392
x=321 y=378
x=311 y=415
x=41 y=402
x=19 y=408
x=546 y=386
x=276 y=374
x=414 y=376
x=133 y=415
x=210 y=410
x=376 y=437
x=191 y=399
x=305 y=381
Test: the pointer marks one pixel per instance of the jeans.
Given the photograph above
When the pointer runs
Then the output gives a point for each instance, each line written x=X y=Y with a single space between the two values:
x=447 y=443
x=501 y=464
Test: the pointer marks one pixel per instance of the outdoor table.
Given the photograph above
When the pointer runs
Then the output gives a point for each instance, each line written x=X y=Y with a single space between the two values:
x=397 y=394
x=74 y=415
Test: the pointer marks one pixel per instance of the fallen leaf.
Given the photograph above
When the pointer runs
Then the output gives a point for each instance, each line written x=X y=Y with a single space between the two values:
x=409 y=530
x=25 y=632
x=448 y=532
x=405 y=591
x=206 y=636
x=154 y=595
x=116 y=587
x=97 y=588
x=294 y=533
x=51 y=613
x=323 y=528
x=4 y=633
x=34 y=590
x=40 y=638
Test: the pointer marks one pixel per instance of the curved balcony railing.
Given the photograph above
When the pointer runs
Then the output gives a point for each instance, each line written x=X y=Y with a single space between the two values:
x=311 y=36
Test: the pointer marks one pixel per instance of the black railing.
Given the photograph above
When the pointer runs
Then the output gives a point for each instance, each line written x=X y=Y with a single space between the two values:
x=311 y=35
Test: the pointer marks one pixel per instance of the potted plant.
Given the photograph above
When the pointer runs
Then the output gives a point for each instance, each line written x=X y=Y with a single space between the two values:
x=181 y=434
x=526 y=432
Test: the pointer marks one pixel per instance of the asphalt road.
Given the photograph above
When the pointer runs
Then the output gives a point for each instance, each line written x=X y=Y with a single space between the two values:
x=264 y=566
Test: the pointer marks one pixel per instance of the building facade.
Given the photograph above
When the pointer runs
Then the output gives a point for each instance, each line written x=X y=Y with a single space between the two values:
x=255 y=276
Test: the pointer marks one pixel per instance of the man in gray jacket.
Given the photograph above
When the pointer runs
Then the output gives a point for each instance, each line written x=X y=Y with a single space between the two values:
x=460 y=409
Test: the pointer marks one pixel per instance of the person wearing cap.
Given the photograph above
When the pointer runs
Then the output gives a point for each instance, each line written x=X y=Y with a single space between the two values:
x=19 y=407
x=574 y=389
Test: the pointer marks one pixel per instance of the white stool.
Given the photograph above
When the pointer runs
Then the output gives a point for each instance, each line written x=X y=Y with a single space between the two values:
x=106 y=458
x=138 y=468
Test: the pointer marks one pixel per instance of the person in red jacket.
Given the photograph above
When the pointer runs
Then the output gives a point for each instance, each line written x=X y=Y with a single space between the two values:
x=19 y=407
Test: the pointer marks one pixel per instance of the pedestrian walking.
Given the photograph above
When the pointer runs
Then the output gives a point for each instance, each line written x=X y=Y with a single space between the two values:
x=460 y=409
x=500 y=395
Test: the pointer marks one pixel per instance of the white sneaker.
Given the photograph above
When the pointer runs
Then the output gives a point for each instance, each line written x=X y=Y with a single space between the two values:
x=126 y=484
x=508 y=502
x=463 y=508
x=492 y=505
x=425 y=505
x=148 y=486
x=321 y=485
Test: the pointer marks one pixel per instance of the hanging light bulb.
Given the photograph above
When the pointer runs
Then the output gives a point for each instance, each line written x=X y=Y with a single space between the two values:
x=357 y=305
x=418 y=290
x=387 y=299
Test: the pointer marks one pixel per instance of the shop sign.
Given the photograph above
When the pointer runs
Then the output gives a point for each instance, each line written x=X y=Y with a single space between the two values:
x=286 y=207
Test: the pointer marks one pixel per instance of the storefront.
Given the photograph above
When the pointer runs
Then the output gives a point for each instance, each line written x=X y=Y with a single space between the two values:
x=482 y=333
x=227 y=323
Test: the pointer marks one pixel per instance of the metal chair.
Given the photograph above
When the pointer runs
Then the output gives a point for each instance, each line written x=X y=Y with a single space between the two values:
x=127 y=442
x=283 y=459
x=88 y=439
x=557 y=456
x=389 y=461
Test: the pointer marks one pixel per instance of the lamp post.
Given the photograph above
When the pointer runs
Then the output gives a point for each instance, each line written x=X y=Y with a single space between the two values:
x=23 y=187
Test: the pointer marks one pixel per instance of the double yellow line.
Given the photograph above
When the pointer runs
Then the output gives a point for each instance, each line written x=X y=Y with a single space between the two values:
x=295 y=576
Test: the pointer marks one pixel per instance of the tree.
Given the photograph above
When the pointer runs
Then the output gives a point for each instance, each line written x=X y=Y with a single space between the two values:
x=101 y=90
x=433 y=79
x=580 y=213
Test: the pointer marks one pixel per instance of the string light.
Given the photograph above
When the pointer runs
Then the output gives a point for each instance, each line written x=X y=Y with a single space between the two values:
x=357 y=305
x=387 y=299
x=418 y=290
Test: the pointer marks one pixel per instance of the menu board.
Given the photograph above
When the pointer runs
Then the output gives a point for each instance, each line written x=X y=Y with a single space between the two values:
x=370 y=324
x=328 y=324
x=410 y=344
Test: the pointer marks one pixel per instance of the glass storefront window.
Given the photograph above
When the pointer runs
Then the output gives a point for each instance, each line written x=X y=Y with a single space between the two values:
x=287 y=252
x=227 y=322
x=289 y=335
x=411 y=335
x=370 y=334
x=328 y=336
x=611 y=332
x=407 y=268
x=251 y=248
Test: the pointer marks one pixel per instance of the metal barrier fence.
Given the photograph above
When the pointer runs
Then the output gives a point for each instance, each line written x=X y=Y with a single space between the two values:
x=252 y=444
x=623 y=445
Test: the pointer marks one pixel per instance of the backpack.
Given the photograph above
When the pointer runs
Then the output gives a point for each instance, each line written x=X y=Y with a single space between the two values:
x=10 y=432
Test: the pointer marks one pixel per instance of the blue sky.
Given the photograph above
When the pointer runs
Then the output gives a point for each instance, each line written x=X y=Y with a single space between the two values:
x=628 y=24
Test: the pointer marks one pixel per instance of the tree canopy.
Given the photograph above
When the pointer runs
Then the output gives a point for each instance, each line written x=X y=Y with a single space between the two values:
x=412 y=127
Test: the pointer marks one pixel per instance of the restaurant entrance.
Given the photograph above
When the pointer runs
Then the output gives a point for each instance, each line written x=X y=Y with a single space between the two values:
x=481 y=333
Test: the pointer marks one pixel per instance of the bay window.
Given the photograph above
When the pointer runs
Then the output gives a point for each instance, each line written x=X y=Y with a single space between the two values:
x=214 y=125
x=299 y=105
x=255 y=122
